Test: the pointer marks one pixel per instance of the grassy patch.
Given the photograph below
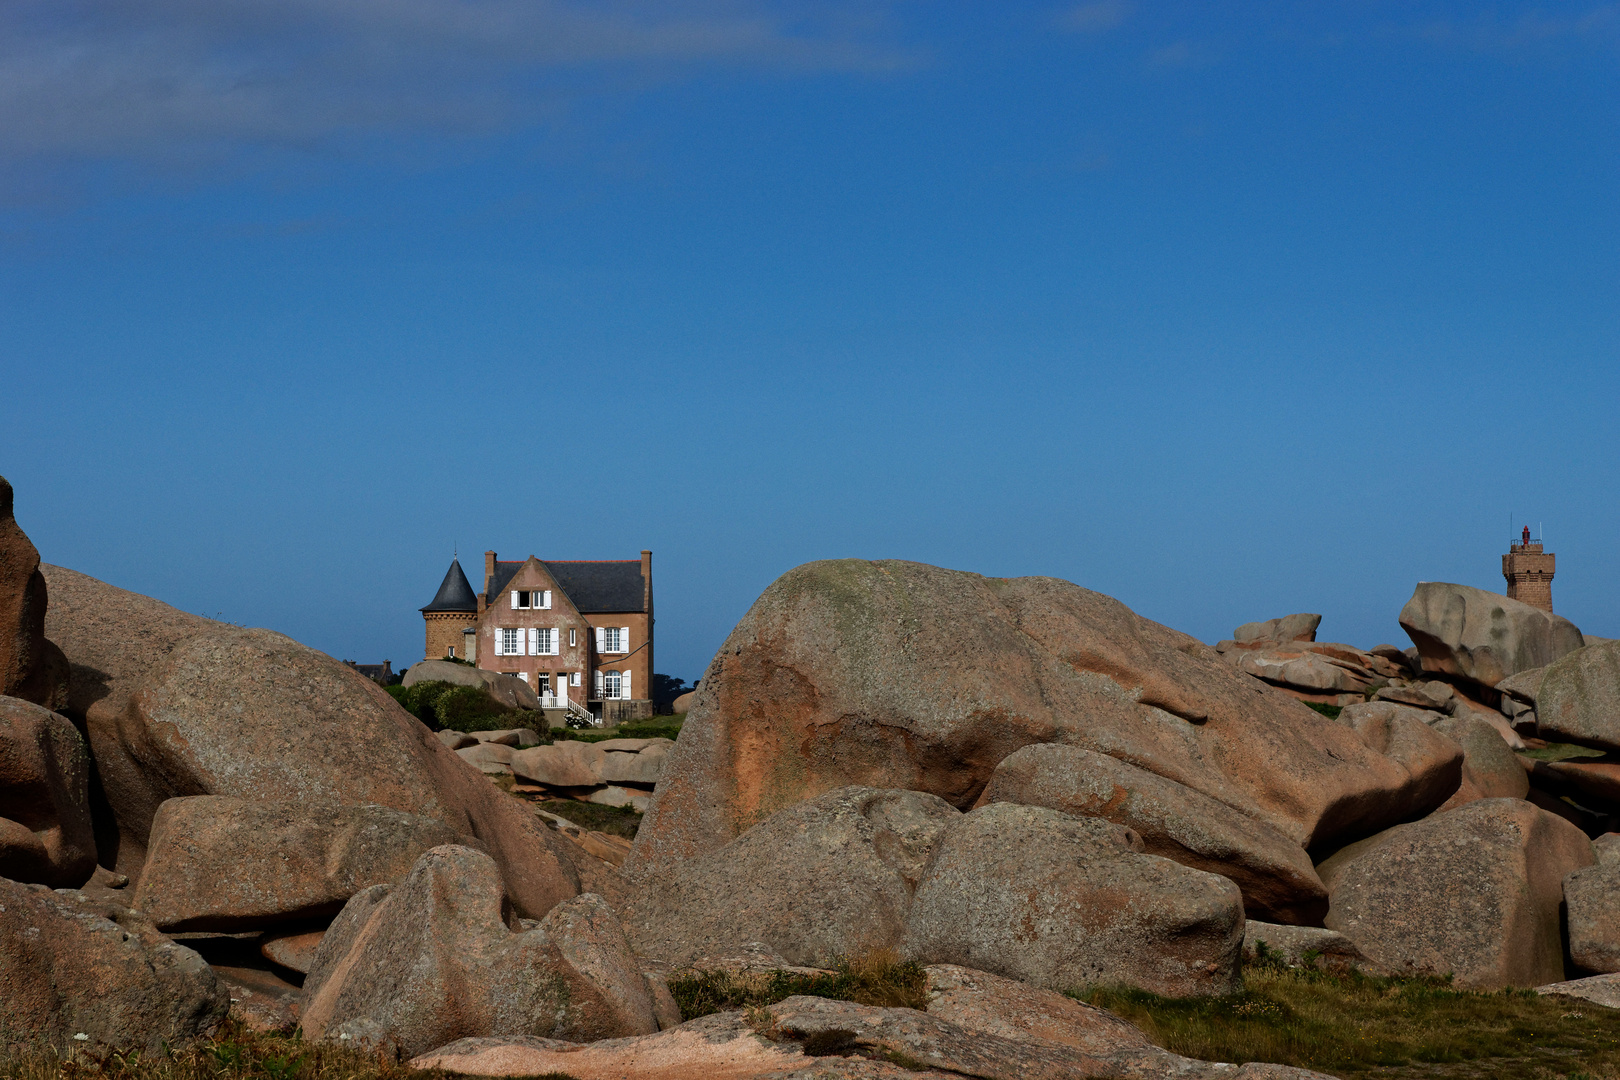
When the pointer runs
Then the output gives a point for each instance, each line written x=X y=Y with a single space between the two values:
x=662 y=727
x=877 y=978
x=1561 y=751
x=614 y=820
x=1330 y=711
x=1355 y=1026
x=235 y=1054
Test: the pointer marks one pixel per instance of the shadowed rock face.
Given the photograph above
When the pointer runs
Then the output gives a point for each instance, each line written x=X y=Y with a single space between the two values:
x=1473 y=634
x=830 y=877
x=900 y=675
x=1473 y=892
x=45 y=830
x=1592 y=898
x=31 y=667
x=178 y=705
x=1493 y=769
x=432 y=959
x=228 y=865
x=1579 y=696
x=1064 y=902
x=1433 y=761
x=70 y=966
x=1174 y=821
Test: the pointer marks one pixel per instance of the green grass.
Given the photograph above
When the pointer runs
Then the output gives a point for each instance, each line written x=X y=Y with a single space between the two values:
x=877 y=978
x=235 y=1053
x=659 y=727
x=1560 y=751
x=1355 y=1026
x=614 y=820
x=1330 y=711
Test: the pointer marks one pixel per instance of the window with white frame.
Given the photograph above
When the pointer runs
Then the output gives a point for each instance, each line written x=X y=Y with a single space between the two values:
x=613 y=685
x=612 y=639
x=531 y=598
x=543 y=641
x=573 y=678
x=572 y=640
x=508 y=642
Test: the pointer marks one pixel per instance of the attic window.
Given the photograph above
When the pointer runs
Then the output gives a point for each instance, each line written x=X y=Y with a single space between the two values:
x=536 y=598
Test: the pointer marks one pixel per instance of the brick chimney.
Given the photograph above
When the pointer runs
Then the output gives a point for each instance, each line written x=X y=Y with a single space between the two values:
x=489 y=575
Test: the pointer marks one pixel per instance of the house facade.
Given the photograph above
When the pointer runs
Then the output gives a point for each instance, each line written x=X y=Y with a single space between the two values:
x=580 y=633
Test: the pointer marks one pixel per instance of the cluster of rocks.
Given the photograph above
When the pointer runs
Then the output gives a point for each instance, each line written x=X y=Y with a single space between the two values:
x=612 y=772
x=1469 y=647
x=1037 y=693
x=1478 y=658
x=1017 y=783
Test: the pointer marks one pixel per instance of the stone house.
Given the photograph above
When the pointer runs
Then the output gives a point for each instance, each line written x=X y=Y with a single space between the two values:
x=580 y=633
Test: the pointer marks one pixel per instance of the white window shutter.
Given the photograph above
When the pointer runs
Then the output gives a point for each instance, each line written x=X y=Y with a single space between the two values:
x=499 y=651
x=624 y=639
x=531 y=643
x=556 y=643
x=624 y=687
x=547 y=597
x=514 y=598
x=600 y=647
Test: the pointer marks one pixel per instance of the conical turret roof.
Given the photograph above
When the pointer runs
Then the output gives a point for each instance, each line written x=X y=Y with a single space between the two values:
x=454 y=594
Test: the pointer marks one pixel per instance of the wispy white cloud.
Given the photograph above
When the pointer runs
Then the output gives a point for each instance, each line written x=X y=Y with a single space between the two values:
x=108 y=78
x=1183 y=54
x=1491 y=32
x=1095 y=16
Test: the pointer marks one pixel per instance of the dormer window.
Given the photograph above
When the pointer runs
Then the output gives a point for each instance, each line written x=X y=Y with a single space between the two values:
x=531 y=599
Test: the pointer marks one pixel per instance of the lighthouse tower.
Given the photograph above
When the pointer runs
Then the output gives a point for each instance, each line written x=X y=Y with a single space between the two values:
x=1529 y=572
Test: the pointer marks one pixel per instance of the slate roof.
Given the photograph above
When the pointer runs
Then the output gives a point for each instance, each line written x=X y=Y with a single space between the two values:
x=613 y=585
x=455 y=594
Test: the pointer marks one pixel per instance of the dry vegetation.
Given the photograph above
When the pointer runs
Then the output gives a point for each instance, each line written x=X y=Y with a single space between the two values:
x=235 y=1053
x=613 y=820
x=876 y=978
x=1353 y=1026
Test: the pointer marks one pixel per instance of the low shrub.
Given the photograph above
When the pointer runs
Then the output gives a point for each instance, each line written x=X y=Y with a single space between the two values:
x=1330 y=711
x=442 y=705
x=1351 y=1025
x=878 y=977
x=614 y=820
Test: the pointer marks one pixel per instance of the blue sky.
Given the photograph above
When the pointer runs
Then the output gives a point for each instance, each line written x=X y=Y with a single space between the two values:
x=1227 y=311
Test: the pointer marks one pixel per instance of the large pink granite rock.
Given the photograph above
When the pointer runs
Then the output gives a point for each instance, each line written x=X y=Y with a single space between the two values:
x=900 y=675
x=179 y=705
